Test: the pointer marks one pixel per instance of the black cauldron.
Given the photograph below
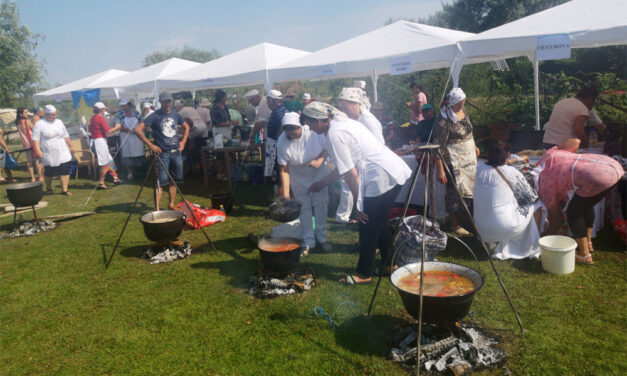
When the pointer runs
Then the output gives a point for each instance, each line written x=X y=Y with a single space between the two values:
x=285 y=211
x=278 y=262
x=25 y=194
x=163 y=226
x=438 y=309
x=222 y=198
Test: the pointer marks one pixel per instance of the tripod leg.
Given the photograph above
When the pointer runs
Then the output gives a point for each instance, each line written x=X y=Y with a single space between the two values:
x=487 y=252
x=414 y=178
x=186 y=204
x=141 y=188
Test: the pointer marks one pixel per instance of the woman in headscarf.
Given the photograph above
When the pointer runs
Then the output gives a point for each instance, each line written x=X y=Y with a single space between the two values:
x=453 y=132
x=352 y=101
x=300 y=155
x=373 y=173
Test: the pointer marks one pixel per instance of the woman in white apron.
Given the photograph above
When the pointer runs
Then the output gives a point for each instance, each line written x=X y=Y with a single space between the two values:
x=574 y=183
x=452 y=130
x=99 y=130
x=300 y=157
x=373 y=173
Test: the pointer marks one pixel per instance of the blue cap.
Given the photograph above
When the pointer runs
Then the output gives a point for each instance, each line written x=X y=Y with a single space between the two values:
x=426 y=106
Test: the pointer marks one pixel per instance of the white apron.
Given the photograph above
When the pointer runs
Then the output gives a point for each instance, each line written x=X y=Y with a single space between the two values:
x=102 y=151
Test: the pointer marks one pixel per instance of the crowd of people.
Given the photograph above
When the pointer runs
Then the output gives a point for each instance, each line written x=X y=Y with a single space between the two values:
x=309 y=145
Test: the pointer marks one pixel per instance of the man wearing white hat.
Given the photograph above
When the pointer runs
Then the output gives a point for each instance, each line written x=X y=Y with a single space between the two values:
x=307 y=99
x=205 y=114
x=132 y=148
x=300 y=157
x=258 y=112
x=52 y=142
x=99 y=129
x=273 y=131
x=147 y=109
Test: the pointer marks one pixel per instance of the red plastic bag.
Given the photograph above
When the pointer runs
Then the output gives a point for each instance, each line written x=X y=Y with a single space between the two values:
x=206 y=217
x=620 y=227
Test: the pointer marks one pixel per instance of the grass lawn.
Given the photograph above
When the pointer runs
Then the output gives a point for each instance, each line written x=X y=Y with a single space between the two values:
x=61 y=312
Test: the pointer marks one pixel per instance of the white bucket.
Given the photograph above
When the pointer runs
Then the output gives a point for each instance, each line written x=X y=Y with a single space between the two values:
x=558 y=254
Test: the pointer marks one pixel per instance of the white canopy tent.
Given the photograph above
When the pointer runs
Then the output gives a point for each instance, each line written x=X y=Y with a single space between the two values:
x=144 y=82
x=372 y=54
x=242 y=68
x=587 y=23
x=64 y=92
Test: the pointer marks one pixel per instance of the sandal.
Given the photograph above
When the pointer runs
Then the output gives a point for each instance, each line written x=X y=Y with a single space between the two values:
x=350 y=280
x=584 y=259
x=118 y=182
x=102 y=187
x=66 y=193
x=590 y=249
x=49 y=192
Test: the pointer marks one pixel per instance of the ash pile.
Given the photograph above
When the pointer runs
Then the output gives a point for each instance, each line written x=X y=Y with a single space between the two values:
x=456 y=351
x=271 y=285
x=28 y=228
x=168 y=253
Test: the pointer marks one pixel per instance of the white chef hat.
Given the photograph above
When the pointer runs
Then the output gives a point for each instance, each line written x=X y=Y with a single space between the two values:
x=306 y=96
x=360 y=84
x=147 y=105
x=275 y=94
x=252 y=93
x=291 y=118
x=50 y=109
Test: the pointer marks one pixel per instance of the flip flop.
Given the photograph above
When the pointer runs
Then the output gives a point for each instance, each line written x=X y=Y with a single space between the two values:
x=349 y=280
x=585 y=259
x=66 y=193
x=102 y=187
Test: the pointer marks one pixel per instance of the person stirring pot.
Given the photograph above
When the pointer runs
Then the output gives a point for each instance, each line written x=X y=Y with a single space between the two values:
x=300 y=155
x=373 y=173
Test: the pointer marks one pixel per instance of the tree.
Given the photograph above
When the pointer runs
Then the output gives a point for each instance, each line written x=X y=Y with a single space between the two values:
x=20 y=70
x=475 y=16
x=187 y=53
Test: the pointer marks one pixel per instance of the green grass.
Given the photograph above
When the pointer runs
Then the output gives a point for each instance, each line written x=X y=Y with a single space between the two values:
x=61 y=312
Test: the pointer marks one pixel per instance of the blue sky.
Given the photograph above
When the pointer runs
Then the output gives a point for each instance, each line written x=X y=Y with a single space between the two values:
x=87 y=37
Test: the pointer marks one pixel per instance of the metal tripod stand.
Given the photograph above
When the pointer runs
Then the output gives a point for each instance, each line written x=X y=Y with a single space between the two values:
x=141 y=188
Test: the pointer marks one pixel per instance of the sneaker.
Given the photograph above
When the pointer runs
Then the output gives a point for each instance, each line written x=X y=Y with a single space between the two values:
x=304 y=251
x=326 y=247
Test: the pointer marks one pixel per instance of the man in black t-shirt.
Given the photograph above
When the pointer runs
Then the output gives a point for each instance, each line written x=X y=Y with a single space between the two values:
x=166 y=146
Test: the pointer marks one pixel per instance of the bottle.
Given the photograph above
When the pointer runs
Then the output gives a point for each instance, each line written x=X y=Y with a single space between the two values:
x=222 y=208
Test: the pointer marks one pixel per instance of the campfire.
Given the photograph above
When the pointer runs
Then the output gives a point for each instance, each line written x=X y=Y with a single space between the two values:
x=456 y=349
x=28 y=228
x=172 y=251
x=268 y=284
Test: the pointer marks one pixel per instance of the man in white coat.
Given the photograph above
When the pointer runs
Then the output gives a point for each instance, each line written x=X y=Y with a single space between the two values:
x=301 y=155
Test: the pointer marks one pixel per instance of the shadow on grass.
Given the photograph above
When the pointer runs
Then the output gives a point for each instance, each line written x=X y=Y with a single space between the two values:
x=140 y=207
x=455 y=248
x=528 y=266
x=370 y=335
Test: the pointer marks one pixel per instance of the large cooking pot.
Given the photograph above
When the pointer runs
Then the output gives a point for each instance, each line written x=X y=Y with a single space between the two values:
x=438 y=309
x=278 y=261
x=163 y=226
x=284 y=210
x=25 y=194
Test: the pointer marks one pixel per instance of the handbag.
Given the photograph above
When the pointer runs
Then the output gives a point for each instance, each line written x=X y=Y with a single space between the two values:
x=10 y=163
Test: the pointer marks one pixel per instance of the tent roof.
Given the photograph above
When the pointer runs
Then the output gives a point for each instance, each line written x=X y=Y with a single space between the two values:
x=361 y=55
x=588 y=23
x=142 y=81
x=244 y=67
x=64 y=92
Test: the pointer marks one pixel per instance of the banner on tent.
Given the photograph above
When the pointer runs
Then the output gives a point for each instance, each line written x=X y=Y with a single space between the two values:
x=553 y=47
x=90 y=97
x=400 y=65
x=327 y=70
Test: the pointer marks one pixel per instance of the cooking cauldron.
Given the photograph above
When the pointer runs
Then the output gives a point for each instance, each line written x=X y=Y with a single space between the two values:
x=222 y=198
x=166 y=231
x=284 y=211
x=278 y=262
x=25 y=194
x=438 y=309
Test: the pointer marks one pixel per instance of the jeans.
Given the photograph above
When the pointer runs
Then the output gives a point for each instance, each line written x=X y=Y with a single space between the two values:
x=376 y=233
x=173 y=161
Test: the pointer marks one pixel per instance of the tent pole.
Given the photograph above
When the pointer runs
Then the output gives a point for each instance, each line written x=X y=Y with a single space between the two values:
x=374 y=78
x=536 y=90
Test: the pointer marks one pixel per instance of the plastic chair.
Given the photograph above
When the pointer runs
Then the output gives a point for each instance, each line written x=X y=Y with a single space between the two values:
x=84 y=157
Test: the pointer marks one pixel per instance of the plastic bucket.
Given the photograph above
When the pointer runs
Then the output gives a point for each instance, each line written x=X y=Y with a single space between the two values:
x=558 y=254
